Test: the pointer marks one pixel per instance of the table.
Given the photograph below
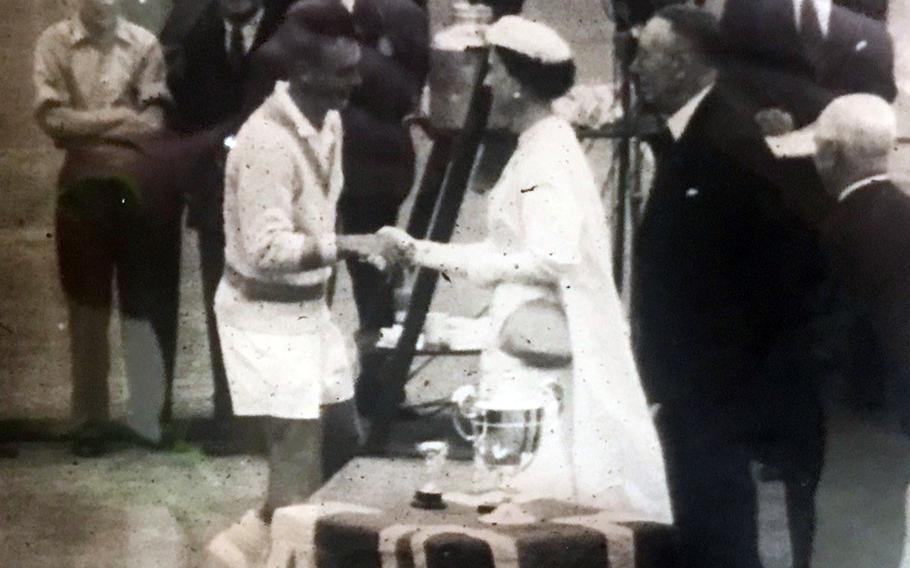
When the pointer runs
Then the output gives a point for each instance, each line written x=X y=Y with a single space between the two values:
x=362 y=519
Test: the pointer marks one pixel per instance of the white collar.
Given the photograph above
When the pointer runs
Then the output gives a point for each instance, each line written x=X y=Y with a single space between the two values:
x=249 y=29
x=349 y=4
x=253 y=22
x=285 y=107
x=78 y=33
x=853 y=187
x=822 y=8
x=680 y=119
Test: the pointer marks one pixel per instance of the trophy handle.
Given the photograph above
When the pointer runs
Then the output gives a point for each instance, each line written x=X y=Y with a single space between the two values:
x=557 y=394
x=464 y=398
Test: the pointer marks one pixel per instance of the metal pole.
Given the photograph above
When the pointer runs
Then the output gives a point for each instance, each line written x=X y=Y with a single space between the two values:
x=395 y=371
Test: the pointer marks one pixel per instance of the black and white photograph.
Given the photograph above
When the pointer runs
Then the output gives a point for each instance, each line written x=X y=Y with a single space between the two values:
x=455 y=284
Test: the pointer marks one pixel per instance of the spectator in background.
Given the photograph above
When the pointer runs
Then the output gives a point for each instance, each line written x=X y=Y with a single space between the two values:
x=722 y=277
x=285 y=358
x=207 y=73
x=868 y=232
x=100 y=88
x=785 y=60
x=798 y=55
x=379 y=155
x=868 y=240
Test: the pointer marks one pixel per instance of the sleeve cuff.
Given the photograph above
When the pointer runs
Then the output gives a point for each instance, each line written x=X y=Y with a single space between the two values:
x=423 y=254
x=328 y=249
x=157 y=93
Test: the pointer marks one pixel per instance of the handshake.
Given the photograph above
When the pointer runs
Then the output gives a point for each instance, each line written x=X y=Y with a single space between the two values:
x=389 y=247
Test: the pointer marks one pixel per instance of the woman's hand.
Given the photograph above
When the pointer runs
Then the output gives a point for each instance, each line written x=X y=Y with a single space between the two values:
x=369 y=248
x=399 y=248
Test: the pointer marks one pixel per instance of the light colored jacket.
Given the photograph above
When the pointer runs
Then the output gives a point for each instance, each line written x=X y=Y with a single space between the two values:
x=283 y=180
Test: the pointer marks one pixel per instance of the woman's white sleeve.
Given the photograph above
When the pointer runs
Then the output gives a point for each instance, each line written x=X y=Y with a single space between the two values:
x=550 y=223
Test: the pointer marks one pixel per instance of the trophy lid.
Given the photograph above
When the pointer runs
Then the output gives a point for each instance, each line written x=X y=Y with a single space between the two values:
x=514 y=400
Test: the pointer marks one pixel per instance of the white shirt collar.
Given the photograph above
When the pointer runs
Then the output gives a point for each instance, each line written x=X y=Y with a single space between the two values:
x=680 y=119
x=286 y=107
x=853 y=187
x=349 y=4
x=249 y=29
x=78 y=33
x=822 y=8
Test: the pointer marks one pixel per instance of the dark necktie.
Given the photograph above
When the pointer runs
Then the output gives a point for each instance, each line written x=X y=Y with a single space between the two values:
x=661 y=143
x=237 y=49
x=811 y=31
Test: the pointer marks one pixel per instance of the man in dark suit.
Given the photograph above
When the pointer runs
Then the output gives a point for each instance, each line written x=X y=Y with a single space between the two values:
x=868 y=240
x=721 y=275
x=207 y=61
x=868 y=233
x=798 y=55
x=379 y=154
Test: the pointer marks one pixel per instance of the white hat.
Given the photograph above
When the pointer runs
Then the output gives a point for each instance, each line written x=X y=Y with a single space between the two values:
x=530 y=39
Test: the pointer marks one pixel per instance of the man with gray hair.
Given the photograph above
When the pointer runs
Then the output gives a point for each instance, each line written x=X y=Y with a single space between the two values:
x=868 y=237
x=868 y=233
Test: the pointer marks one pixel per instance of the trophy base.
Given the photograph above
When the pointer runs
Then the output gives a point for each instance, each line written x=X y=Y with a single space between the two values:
x=508 y=514
x=428 y=500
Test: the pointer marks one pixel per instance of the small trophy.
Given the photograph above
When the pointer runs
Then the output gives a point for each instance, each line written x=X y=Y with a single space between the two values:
x=429 y=495
x=506 y=433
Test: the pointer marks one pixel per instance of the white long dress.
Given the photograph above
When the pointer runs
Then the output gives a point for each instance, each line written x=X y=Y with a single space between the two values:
x=548 y=237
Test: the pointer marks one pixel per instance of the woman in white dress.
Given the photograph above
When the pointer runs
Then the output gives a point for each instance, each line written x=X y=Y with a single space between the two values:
x=548 y=240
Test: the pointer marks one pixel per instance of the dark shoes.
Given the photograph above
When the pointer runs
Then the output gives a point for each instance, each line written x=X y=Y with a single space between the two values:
x=91 y=441
x=90 y=447
x=97 y=440
x=7 y=453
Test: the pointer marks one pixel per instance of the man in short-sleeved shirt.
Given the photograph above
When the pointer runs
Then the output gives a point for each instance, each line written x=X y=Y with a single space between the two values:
x=100 y=85
x=94 y=85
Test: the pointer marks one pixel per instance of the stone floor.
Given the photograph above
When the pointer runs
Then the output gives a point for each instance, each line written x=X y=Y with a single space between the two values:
x=132 y=509
x=135 y=509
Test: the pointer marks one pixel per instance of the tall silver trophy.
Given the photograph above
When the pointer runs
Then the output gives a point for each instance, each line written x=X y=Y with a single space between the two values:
x=506 y=430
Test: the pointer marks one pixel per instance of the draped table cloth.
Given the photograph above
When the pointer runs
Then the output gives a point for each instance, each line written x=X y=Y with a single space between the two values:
x=363 y=519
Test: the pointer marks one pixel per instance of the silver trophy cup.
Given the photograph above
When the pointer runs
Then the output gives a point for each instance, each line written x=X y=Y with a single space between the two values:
x=505 y=430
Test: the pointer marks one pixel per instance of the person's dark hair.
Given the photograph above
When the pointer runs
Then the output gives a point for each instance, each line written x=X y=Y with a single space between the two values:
x=547 y=81
x=324 y=17
x=698 y=26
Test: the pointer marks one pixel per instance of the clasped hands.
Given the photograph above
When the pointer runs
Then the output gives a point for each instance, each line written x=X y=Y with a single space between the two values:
x=388 y=248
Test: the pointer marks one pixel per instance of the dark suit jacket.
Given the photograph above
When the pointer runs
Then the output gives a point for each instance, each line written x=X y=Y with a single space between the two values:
x=868 y=236
x=208 y=98
x=764 y=57
x=378 y=151
x=722 y=271
x=206 y=90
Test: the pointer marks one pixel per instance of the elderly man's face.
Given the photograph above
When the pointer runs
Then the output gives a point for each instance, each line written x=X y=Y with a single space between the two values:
x=98 y=16
x=661 y=65
x=238 y=10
